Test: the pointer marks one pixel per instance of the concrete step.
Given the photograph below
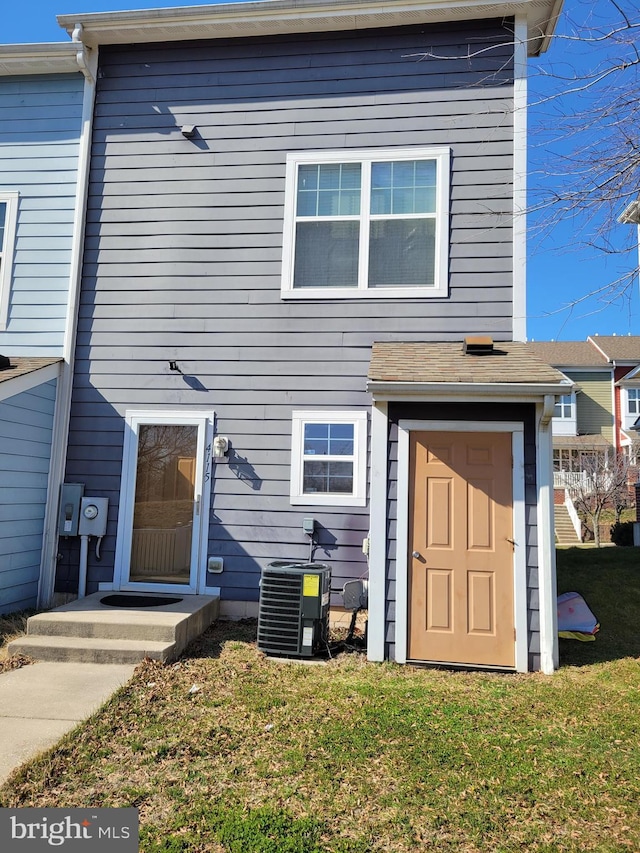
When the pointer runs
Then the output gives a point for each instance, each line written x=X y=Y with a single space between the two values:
x=91 y=650
x=89 y=631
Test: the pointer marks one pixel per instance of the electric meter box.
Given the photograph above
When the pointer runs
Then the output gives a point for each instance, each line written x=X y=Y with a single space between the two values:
x=69 y=513
x=93 y=516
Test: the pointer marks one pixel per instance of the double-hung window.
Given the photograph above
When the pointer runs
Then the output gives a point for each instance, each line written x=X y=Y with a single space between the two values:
x=8 y=215
x=366 y=224
x=329 y=458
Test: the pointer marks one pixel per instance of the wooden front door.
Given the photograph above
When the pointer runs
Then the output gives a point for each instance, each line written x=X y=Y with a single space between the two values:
x=461 y=566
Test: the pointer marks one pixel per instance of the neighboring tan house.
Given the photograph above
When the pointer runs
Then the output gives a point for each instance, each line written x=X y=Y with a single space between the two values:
x=42 y=99
x=598 y=416
x=298 y=213
x=595 y=421
x=583 y=420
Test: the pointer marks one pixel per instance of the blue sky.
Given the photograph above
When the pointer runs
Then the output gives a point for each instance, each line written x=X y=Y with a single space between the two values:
x=560 y=268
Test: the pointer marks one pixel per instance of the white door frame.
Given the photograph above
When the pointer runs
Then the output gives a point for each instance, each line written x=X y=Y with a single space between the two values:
x=405 y=427
x=204 y=421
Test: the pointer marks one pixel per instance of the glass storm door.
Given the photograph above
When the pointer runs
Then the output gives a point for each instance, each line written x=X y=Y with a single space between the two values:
x=165 y=473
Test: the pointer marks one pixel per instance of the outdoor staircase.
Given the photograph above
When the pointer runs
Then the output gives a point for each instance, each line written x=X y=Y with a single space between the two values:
x=565 y=531
x=87 y=631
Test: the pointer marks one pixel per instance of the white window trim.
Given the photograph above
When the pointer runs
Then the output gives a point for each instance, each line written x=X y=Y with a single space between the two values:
x=359 y=495
x=7 y=251
x=440 y=288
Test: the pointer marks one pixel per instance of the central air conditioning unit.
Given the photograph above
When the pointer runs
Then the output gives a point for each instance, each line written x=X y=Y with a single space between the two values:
x=293 y=615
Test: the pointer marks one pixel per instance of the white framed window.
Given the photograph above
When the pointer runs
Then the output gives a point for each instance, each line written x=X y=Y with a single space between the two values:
x=564 y=407
x=366 y=224
x=630 y=407
x=329 y=458
x=565 y=421
x=8 y=218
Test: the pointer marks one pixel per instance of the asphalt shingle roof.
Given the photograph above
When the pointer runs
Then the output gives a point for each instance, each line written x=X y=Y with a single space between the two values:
x=569 y=353
x=618 y=347
x=447 y=362
x=22 y=366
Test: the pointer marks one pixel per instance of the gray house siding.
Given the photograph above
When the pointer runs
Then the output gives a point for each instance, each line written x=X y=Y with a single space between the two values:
x=38 y=159
x=26 y=423
x=184 y=246
x=474 y=412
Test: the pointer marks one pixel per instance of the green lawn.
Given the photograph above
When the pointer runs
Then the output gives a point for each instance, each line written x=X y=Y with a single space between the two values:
x=348 y=757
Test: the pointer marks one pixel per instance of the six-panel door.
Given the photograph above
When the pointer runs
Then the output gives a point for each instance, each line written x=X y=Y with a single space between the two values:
x=461 y=585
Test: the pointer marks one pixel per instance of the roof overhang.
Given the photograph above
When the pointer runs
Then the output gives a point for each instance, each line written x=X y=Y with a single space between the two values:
x=27 y=373
x=631 y=214
x=274 y=17
x=53 y=58
x=469 y=392
x=586 y=442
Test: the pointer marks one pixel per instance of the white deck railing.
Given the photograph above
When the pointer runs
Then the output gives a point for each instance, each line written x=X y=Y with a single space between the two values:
x=570 y=479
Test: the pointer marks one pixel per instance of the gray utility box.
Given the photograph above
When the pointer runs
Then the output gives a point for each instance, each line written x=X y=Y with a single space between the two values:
x=293 y=615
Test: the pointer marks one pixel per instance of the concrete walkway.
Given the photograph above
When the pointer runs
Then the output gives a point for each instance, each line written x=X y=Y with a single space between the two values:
x=41 y=702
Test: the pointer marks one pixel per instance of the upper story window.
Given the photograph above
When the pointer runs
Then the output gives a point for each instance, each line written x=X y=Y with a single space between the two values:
x=564 y=407
x=366 y=224
x=8 y=215
x=630 y=405
x=565 y=420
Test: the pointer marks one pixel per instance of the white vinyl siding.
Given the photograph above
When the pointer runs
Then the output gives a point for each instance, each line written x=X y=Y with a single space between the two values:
x=366 y=224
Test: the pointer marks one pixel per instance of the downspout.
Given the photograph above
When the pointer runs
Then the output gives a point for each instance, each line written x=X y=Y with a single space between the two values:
x=547 y=585
x=87 y=60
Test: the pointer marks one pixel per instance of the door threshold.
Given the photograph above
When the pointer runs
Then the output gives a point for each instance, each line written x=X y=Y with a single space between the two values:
x=468 y=667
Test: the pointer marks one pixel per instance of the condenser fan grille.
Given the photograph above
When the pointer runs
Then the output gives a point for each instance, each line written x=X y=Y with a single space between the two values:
x=280 y=613
x=294 y=608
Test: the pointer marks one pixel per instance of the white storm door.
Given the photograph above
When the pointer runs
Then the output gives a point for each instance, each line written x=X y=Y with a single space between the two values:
x=165 y=493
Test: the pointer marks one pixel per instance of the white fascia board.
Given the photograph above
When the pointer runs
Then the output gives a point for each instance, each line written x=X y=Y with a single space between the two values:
x=520 y=392
x=520 y=181
x=290 y=16
x=27 y=381
x=631 y=214
x=44 y=58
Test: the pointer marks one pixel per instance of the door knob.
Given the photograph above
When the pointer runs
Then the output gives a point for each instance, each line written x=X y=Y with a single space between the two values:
x=418 y=556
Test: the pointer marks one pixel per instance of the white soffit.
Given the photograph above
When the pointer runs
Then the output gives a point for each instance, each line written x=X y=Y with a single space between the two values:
x=273 y=17
x=52 y=58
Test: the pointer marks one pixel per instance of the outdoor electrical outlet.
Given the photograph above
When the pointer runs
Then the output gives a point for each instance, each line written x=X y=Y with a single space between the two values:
x=309 y=526
x=215 y=565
